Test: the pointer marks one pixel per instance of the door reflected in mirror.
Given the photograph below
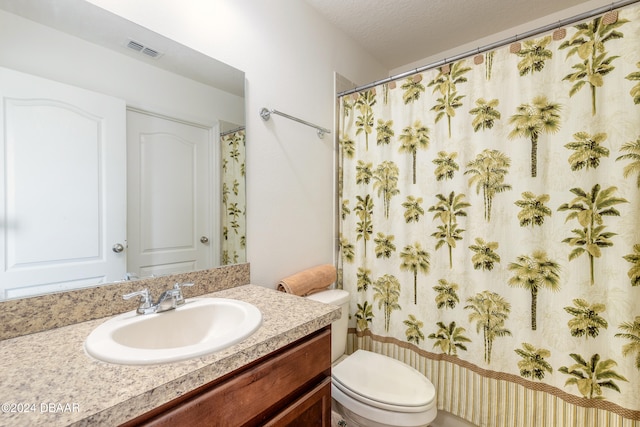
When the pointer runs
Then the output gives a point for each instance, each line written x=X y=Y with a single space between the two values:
x=80 y=207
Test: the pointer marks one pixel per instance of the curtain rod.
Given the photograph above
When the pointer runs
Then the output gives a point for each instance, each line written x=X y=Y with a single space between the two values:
x=232 y=131
x=503 y=42
x=266 y=114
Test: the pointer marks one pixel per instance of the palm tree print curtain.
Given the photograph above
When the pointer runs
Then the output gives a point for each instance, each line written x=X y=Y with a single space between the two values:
x=233 y=197
x=490 y=226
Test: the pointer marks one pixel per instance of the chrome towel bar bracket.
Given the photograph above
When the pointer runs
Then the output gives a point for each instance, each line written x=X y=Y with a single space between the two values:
x=266 y=115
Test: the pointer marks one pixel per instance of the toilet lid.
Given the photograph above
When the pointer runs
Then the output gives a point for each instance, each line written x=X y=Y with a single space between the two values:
x=331 y=296
x=382 y=381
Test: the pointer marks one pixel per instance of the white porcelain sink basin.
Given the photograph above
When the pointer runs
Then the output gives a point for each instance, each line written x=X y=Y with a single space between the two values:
x=200 y=326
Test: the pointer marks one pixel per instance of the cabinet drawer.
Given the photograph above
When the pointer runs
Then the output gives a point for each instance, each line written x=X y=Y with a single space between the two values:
x=255 y=394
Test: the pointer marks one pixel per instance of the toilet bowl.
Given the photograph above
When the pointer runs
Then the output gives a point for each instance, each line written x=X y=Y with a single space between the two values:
x=370 y=389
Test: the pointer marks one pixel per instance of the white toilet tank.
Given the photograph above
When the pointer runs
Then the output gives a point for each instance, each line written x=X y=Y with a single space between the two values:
x=339 y=327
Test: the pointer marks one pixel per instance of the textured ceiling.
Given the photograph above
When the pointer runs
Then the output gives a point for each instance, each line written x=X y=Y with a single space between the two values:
x=399 y=32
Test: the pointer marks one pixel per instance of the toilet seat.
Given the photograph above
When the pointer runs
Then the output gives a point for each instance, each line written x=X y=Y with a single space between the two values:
x=383 y=382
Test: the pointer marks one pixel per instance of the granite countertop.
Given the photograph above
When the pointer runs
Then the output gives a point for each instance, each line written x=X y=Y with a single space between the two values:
x=49 y=380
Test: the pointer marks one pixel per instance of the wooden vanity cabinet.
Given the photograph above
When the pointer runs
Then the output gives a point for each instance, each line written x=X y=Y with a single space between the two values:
x=289 y=387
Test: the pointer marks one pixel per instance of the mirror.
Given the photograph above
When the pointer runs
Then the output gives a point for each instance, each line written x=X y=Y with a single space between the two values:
x=78 y=44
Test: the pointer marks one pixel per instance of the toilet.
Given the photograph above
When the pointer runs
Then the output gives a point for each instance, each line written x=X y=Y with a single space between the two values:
x=370 y=389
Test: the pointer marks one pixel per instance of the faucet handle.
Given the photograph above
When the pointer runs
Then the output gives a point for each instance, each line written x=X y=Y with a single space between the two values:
x=178 y=287
x=145 y=299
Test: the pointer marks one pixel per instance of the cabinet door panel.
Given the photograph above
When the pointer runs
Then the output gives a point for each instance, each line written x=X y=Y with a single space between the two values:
x=311 y=410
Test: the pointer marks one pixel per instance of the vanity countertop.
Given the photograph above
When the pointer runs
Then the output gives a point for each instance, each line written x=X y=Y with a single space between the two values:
x=49 y=380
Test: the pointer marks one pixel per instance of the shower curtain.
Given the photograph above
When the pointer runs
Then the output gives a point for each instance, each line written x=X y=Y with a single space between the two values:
x=490 y=226
x=233 y=197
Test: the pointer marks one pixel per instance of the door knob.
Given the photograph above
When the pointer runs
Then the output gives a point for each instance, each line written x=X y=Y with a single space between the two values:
x=117 y=248
x=204 y=239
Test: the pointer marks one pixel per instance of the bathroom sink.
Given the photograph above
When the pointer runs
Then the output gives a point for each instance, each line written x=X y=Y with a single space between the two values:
x=198 y=327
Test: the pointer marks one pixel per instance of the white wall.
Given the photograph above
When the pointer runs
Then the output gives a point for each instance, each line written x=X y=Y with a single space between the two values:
x=289 y=54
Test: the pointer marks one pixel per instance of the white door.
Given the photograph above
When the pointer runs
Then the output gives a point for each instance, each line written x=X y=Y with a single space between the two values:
x=62 y=187
x=170 y=196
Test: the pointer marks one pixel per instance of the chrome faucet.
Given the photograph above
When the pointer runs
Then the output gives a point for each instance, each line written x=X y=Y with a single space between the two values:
x=168 y=300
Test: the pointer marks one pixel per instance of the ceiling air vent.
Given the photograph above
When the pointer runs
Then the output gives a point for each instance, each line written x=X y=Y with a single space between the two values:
x=145 y=50
x=150 y=52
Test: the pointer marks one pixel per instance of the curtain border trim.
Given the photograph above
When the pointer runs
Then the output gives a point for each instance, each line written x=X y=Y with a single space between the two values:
x=502 y=376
